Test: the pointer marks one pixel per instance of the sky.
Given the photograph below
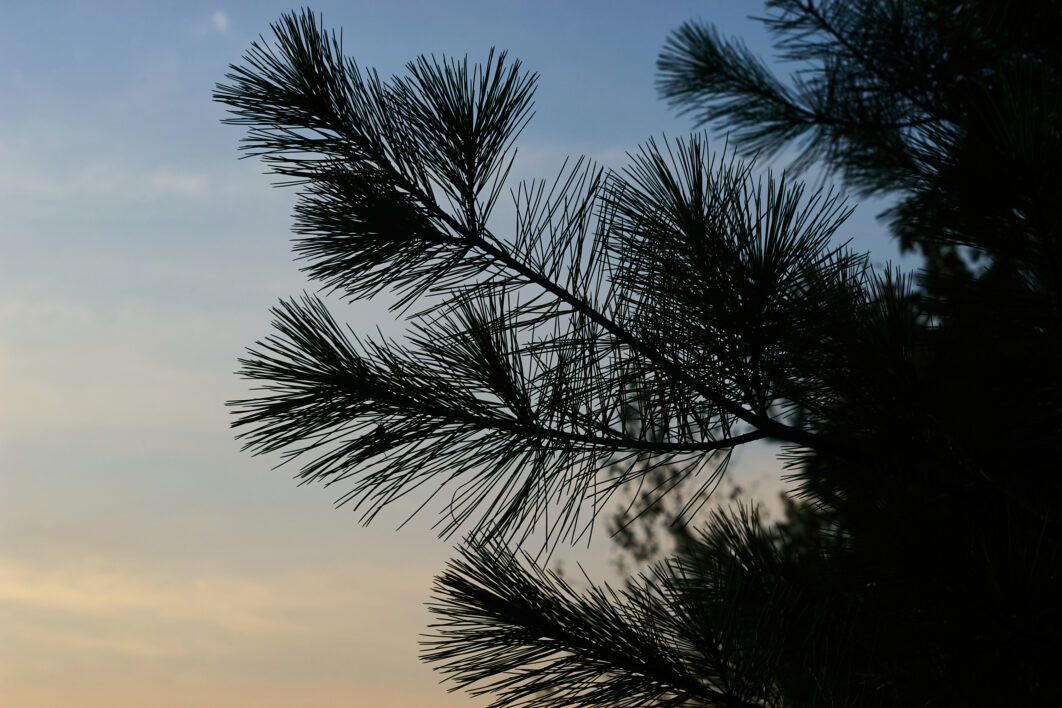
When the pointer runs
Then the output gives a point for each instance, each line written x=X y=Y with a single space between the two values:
x=144 y=559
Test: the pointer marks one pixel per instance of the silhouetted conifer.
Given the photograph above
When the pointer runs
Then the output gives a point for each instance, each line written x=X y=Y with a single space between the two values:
x=641 y=324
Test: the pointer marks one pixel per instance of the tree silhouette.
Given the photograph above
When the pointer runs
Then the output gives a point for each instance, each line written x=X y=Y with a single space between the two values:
x=639 y=325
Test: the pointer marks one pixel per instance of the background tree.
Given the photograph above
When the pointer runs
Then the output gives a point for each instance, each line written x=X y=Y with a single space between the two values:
x=656 y=318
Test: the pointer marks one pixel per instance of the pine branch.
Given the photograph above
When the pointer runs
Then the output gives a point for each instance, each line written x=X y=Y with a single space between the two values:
x=541 y=344
x=841 y=102
x=524 y=634
x=456 y=410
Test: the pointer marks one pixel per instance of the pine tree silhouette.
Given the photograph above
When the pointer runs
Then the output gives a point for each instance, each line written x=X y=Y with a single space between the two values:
x=644 y=323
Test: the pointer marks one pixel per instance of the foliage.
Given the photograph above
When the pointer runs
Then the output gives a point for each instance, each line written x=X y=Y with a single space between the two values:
x=640 y=325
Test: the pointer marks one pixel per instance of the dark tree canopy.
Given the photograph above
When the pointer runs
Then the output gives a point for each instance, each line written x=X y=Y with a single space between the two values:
x=952 y=106
x=641 y=324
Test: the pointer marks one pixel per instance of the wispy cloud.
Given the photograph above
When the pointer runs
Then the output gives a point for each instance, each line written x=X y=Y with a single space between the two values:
x=107 y=178
x=133 y=362
x=221 y=21
x=272 y=637
x=271 y=606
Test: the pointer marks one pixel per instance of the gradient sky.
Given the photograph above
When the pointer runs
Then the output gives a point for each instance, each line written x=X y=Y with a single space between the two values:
x=144 y=561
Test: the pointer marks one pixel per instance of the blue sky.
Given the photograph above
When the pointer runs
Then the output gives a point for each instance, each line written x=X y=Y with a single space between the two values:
x=143 y=559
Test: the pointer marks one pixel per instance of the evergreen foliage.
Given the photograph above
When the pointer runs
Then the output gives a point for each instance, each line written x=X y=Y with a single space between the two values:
x=640 y=325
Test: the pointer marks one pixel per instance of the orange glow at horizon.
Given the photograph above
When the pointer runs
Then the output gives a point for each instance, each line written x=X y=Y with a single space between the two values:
x=107 y=633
